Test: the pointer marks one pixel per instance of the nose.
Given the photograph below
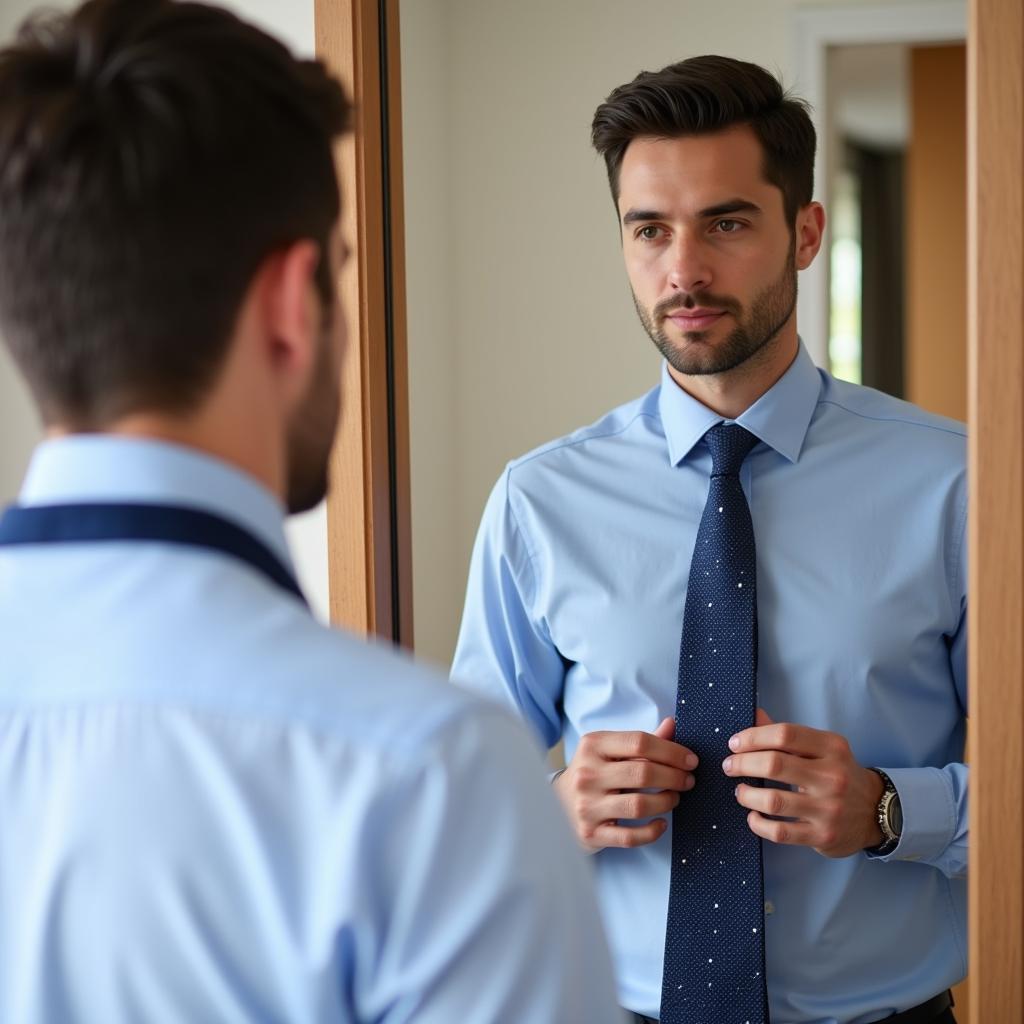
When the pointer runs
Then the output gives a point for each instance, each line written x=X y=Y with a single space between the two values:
x=689 y=269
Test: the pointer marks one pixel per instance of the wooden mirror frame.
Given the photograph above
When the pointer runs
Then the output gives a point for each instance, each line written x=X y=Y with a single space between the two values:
x=995 y=114
x=369 y=543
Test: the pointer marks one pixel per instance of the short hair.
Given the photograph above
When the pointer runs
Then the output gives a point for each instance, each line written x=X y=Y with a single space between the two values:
x=708 y=94
x=152 y=154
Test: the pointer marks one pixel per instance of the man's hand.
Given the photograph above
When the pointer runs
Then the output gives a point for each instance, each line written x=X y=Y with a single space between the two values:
x=834 y=804
x=601 y=788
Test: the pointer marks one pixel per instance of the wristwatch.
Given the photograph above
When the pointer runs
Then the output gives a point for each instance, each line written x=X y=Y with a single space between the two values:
x=889 y=814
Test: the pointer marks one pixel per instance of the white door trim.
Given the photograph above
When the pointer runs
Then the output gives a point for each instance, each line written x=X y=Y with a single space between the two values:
x=812 y=33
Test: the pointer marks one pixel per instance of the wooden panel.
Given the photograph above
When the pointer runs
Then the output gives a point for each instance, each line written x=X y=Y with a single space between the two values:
x=368 y=533
x=996 y=622
x=936 y=247
x=935 y=355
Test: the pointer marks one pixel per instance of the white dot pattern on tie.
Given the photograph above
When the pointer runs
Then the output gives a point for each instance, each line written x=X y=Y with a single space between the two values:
x=714 y=943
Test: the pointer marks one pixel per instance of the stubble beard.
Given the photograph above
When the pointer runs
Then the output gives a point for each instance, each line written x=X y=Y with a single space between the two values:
x=311 y=435
x=769 y=312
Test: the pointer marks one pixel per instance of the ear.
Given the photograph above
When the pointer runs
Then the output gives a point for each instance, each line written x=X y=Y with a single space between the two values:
x=292 y=316
x=810 y=228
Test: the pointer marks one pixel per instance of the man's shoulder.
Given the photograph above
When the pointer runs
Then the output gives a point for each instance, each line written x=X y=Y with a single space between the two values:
x=303 y=674
x=219 y=645
x=877 y=412
x=618 y=427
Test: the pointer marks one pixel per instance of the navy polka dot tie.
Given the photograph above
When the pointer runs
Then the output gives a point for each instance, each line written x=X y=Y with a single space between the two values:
x=714 y=942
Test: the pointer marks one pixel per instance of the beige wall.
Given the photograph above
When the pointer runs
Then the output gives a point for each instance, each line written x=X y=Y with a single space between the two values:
x=20 y=429
x=291 y=21
x=521 y=325
x=434 y=371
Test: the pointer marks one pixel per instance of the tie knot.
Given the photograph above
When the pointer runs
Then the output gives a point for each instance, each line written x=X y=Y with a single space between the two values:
x=730 y=444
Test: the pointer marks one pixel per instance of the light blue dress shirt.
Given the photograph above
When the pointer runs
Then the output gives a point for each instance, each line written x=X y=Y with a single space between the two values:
x=215 y=809
x=574 y=614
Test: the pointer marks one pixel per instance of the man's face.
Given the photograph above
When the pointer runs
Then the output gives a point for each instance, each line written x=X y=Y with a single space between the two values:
x=709 y=254
x=312 y=429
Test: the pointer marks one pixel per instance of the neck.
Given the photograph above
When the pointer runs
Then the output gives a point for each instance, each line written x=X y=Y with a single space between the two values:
x=247 y=448
x=731 y=393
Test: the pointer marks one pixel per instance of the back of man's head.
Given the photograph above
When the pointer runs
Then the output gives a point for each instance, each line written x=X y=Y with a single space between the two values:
x=152 y=154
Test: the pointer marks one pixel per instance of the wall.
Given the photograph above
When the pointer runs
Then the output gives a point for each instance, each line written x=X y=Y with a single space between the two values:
x=434 y=372
x=19 y=426
x=516 y=286
x=291 y=21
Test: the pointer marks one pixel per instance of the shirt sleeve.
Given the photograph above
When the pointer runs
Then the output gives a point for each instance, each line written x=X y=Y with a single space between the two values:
x=504 y=650
x=494 y=913
x=934 y=800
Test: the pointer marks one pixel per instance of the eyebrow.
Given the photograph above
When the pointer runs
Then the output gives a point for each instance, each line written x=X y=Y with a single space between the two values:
x=632 y=216
x=730 y=206
x=718 y=210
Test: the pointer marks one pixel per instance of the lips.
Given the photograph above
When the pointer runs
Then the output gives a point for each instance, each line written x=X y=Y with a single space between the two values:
x=695 y=319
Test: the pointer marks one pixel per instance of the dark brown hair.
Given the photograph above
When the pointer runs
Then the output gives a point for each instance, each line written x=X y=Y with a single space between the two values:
x=708 y=94
x=152 y=154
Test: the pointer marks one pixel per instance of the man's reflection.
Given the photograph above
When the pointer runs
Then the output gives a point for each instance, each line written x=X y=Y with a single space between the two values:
x=812 y=719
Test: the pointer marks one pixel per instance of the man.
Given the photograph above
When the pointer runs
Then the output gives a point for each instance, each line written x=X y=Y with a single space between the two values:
x=775 y=804
x=213 y=808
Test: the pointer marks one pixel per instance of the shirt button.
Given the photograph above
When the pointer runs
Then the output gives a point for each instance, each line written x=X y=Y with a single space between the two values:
x=769 y=907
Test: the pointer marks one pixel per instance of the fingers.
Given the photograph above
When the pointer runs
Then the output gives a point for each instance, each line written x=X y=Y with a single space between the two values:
x=619 y=746
x=782 y=803
x=800 y=740
x=593 y=814
x=609 y=781
x=772 y=765
x=611 y=834
x=666 y=729
x=823 y=825
x=763 y=718
x=786 y=833
x=596 y=818
x=626 y=807
x=645 y=775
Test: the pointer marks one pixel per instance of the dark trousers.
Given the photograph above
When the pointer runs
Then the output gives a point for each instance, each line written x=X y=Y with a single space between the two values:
x=946 y=1017
x=936 y=1011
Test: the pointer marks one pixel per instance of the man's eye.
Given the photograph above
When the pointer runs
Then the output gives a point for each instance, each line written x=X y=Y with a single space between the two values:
x=649 y=232
x=727 y=227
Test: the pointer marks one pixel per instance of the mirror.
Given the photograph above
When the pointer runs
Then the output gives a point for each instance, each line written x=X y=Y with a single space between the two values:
x=521 y=326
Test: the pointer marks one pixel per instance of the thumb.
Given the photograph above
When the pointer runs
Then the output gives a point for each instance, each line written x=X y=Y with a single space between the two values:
x=666 y=729
x=763 y=718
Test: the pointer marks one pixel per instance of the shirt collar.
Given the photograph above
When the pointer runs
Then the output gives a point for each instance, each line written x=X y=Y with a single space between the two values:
x=108 y=468
x=779 y=418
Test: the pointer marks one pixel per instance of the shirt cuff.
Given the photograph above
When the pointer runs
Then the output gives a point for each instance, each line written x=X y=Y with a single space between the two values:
x=929 y=814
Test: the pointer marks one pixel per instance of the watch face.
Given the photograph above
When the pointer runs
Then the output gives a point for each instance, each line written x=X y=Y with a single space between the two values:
x=895 y=813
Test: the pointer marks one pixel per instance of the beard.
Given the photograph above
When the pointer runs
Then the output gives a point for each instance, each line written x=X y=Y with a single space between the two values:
x=768 y=314
x=311 y=434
